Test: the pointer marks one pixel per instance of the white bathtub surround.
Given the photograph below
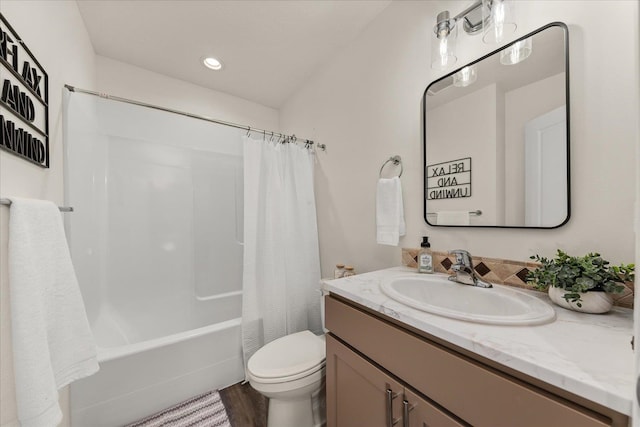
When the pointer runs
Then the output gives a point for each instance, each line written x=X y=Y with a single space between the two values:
x=157 y=242
x=141 y=379
x=573 y=353
x=52 y=342
x=281 y=271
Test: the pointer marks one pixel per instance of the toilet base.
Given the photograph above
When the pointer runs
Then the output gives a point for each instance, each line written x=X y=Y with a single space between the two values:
x=309 y=411
x=290 y=413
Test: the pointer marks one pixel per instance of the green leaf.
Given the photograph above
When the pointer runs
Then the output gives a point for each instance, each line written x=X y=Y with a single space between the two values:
x=579 y=274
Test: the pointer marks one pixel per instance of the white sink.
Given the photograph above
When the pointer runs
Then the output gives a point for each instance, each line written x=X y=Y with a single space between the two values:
x=500 y=305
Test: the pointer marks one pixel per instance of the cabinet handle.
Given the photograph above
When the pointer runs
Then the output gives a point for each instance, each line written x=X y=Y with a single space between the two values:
x=405 y=412
x=390 y=396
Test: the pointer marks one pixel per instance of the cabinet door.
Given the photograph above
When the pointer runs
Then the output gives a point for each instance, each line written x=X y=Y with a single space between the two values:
x=358 y=393
x=361 y=395
x=419 y=412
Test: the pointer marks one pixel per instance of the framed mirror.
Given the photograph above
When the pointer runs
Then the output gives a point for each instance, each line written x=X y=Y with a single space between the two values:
x=496 y=137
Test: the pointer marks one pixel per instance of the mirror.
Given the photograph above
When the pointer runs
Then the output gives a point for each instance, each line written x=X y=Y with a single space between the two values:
x=496 y=137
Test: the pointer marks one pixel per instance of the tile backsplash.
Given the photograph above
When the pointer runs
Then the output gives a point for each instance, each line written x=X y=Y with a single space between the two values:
x=500 y=271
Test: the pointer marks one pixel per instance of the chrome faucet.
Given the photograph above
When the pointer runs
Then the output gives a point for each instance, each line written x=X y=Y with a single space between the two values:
x=464 y=272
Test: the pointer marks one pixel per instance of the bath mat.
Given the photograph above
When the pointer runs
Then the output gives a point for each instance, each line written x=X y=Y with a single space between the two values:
x=205 y=410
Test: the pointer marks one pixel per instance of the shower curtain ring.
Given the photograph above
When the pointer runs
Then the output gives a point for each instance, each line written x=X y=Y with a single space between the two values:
x=248 y=130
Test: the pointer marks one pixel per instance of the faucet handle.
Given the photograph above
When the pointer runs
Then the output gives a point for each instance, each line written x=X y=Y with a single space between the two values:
x=462 y=257
x=465 y=265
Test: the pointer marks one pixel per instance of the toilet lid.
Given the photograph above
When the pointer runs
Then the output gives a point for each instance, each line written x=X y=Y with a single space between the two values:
x=288 y=356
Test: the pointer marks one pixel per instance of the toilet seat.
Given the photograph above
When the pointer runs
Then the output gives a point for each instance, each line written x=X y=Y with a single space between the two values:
x=288 y=358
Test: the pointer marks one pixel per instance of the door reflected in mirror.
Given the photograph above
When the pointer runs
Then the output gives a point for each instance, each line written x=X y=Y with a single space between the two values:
x=506 y=115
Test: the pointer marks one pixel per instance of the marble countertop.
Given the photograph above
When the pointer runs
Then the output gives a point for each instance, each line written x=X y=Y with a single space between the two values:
x=589 y=355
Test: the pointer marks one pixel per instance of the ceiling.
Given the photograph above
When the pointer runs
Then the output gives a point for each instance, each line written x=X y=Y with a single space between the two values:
x=269 y=48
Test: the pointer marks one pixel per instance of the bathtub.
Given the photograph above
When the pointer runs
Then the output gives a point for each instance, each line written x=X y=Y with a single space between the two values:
x=146 y=366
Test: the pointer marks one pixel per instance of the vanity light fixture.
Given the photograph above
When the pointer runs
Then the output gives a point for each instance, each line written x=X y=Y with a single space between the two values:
x=466 y=76
x=495 y=18
x=212 y=63
x=517 y=53
x=443 y=52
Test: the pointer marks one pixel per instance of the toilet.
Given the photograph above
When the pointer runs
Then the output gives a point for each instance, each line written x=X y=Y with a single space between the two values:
x=290 y=372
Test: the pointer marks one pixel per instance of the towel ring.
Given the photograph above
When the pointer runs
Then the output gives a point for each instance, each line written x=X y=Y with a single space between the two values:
x=396 y=160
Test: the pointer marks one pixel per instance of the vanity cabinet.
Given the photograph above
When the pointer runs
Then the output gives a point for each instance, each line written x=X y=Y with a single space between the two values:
x=364 y=395
x=375 y=365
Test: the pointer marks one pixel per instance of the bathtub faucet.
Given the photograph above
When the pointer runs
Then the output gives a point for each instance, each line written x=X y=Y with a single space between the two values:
x=463 y=271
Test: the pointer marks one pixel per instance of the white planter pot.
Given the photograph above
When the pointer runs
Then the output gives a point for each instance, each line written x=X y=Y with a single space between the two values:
x=592 y=302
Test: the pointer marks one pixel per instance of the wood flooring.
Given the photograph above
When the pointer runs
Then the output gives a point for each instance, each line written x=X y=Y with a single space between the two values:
x=245 y=406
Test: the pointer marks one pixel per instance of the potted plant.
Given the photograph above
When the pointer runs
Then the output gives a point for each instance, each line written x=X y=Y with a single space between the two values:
x=580 y=283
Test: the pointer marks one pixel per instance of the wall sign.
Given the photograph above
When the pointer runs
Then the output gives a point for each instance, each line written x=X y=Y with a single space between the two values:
x=449 y=180
x=24 y=100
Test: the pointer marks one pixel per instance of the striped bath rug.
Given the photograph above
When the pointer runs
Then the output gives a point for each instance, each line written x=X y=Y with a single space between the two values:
x=205 y=410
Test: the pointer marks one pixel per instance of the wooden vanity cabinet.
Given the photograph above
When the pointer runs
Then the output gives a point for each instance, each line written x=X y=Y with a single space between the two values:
x=364 y=395
x=374 y=366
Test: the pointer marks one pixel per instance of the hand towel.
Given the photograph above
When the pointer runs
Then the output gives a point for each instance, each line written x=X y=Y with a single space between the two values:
x=52 y=342
x=452 y=218
x=389 y=211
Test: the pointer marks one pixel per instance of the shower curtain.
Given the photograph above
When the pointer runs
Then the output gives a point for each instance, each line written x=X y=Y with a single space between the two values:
x=281 y=273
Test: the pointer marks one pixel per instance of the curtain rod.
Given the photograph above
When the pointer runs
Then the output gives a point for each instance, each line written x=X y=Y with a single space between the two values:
x=249 y=129
x=7 y=202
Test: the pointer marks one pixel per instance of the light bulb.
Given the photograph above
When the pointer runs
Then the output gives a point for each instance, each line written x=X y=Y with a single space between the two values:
x=498 y=12
x=443 y=47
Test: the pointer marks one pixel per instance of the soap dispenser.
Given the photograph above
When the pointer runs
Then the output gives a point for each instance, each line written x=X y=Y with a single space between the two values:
x=425 y=259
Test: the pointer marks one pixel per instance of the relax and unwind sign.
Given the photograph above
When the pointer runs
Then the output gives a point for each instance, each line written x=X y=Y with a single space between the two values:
x=24 y=97
x=449 y=180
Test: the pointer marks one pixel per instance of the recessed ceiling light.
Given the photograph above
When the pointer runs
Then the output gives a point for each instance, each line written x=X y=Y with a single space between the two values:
x=213 y=63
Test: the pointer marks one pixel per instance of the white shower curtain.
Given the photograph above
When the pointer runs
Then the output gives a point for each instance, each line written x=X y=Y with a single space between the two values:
x=281 y=274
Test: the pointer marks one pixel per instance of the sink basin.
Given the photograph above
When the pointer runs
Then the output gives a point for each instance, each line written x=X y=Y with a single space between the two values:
x=500 y=305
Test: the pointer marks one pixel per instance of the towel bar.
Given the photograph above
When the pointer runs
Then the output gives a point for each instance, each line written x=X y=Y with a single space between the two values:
x=396 y=160
x=7 y=202
x=478 y=212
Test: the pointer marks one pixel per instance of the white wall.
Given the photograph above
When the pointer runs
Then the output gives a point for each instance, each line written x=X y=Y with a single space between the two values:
x=365 y=105
x=55 y=34
x=522 y=105
x=131 y=82
x=476 y=138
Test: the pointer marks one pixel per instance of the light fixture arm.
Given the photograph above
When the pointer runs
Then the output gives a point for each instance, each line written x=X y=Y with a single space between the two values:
x=471 y=17
x=475 y=5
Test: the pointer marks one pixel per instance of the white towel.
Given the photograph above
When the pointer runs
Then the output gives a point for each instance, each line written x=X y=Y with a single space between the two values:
x=389 y=211
x=452 y=218
x=52 y=343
